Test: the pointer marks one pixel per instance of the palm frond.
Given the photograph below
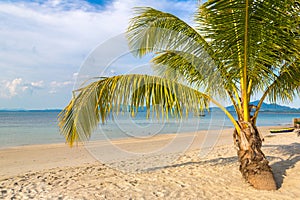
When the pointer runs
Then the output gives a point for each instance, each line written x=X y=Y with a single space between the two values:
x=153 y=31
x=96 y=101
x=269 y=40
x=287 y=85
x=200 y=73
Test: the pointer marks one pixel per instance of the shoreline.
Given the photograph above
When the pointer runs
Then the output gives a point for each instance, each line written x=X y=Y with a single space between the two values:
x=22 y=159
x=168 y=172
x=47 y=131
x=264 y=128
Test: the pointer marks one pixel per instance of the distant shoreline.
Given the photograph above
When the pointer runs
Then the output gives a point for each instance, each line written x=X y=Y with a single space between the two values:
x=38 y=110
x=213 y=110
x=265 y=107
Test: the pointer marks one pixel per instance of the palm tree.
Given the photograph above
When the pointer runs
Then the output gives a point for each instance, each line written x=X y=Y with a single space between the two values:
x=239 y=48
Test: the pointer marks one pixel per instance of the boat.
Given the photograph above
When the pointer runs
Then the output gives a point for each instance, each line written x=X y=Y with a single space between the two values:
x=282 y=130
x=202 y=115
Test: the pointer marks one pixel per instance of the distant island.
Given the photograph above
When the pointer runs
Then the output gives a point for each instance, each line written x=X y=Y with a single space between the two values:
x=30 y=110
x=270 y=108
x=264 y=108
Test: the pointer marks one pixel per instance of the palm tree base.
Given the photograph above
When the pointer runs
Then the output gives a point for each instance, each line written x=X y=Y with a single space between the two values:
x=253 y=163
x=263 y=180
x=259 y=175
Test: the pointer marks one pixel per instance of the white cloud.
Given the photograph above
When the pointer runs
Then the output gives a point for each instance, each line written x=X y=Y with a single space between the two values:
x=75 y=75
x=38 y=84
x=9 y=89
x=54 y=85
x=60 y=84
x=47 y=40
x=12 y=87
x=45 y=33
x=42 y=34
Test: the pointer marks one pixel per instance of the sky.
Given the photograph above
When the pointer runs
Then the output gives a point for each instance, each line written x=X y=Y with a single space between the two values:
x=43 y=44
x=46 y=45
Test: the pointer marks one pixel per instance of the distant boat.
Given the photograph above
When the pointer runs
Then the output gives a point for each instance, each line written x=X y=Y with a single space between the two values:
x=201 y=114
x=282 y=130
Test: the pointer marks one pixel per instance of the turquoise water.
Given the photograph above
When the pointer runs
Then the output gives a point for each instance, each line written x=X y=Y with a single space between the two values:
x=25 y=128
x=40 y=127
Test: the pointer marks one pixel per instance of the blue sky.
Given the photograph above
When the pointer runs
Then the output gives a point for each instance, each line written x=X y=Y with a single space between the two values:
x=43 y=44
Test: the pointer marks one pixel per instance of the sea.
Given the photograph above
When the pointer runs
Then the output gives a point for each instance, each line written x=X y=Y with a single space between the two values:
x=20 y=128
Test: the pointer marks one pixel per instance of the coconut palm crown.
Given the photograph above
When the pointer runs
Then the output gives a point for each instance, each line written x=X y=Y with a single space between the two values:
x=238 y=49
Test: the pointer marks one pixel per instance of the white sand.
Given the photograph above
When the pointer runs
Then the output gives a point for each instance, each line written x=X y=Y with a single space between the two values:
x=58 y=172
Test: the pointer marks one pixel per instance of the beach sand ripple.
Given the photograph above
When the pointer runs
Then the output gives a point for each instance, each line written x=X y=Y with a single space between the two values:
x=190 y=176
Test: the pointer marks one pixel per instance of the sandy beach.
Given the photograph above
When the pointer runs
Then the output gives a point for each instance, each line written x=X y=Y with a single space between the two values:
x=170 y=166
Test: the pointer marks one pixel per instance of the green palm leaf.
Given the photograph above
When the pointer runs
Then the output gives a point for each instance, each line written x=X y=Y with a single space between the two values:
x=266 y=28
x=97 y=100
x=152 y=31
x=177 y=44
x=198 y=72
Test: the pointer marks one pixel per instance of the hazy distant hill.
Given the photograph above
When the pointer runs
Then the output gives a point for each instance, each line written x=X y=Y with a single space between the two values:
x=271 y=108
x=25 y=110
x=265 y=108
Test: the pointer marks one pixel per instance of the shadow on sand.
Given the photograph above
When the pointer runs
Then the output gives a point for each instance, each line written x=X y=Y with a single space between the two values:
x=279 y=168
x=216 y=161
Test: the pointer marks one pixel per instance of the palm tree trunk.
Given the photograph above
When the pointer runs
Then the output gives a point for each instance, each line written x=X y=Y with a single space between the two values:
x=253 y=164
